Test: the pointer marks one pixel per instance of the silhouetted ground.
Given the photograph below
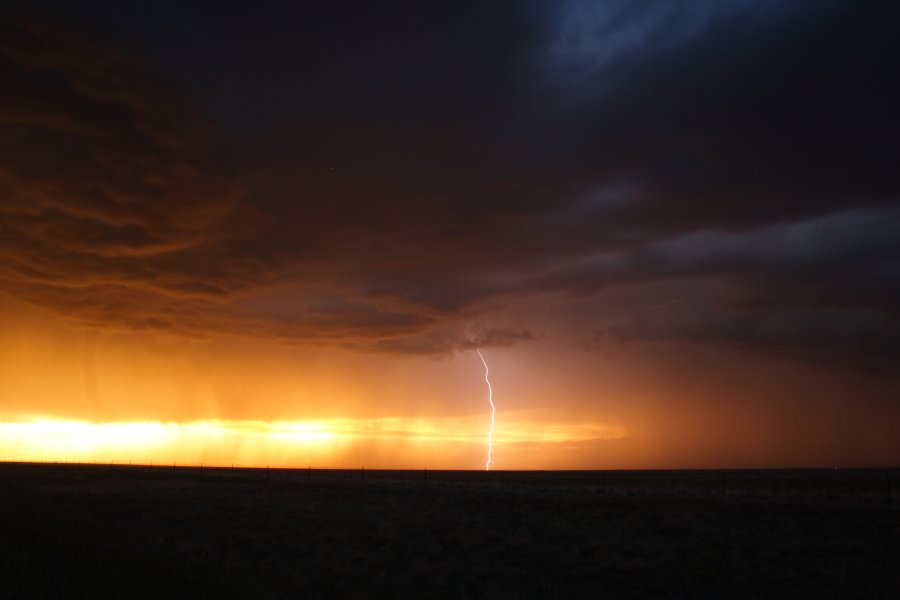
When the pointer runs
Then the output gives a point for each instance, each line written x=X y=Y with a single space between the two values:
x=125 y=532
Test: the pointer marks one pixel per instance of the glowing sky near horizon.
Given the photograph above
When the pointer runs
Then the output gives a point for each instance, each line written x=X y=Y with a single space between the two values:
x=278 y=234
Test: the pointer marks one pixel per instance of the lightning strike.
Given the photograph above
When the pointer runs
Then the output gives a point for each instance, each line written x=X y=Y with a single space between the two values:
x=487 y=466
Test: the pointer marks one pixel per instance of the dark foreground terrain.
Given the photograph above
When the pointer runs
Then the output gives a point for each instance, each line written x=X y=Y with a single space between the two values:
x=124 y=532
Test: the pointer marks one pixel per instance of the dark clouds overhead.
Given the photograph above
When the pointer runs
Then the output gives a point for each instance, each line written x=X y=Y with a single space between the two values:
x=115 y=208
x=392 y=181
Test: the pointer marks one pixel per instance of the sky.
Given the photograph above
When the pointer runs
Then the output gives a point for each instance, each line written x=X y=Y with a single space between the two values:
x=276 y=233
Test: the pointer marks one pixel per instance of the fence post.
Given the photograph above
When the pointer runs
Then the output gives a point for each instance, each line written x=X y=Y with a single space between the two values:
x=363 y=474
x=309 y=472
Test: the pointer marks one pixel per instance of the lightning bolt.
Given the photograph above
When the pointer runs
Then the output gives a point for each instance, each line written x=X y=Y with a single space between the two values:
x=487 y=380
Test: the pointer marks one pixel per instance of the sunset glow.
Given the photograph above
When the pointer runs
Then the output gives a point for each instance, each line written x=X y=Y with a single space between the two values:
x=223 y=241
x=449 y=299
x=324 y=444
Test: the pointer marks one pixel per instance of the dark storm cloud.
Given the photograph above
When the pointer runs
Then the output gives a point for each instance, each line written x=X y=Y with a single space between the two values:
x=764 y=115
x=404 y=175
x=827 y=288
x=865 y=338
x=114 y=210
x=457 y=338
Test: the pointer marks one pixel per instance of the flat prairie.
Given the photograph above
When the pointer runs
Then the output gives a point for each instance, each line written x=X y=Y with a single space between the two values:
x=115 y=531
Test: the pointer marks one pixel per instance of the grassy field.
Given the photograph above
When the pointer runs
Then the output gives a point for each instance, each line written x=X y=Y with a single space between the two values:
x=86 y=531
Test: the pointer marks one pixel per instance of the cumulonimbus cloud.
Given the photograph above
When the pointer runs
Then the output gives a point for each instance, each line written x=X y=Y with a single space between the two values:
x=697 y=158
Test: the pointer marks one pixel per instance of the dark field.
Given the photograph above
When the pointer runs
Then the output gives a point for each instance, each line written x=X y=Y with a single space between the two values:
x=123 y=532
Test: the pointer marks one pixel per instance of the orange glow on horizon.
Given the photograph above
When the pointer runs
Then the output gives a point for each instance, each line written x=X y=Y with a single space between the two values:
x=73 y=395
x=336 y=443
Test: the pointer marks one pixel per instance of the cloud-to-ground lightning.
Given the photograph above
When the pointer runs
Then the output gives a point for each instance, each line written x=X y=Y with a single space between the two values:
x=487 y=380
